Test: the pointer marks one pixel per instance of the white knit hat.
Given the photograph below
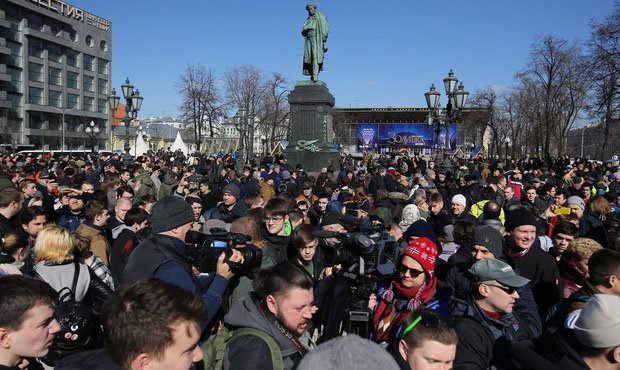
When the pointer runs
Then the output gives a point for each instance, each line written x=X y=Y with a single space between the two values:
x=411 y=213
x=459 y=199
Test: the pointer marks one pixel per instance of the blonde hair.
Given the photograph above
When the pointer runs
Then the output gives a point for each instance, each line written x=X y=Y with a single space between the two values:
x=54 y=243
x=582 y=248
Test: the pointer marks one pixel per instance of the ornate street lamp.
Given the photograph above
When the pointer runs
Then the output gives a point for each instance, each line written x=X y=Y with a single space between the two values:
x=133 y=103
x=457 y=98
x=92 y=130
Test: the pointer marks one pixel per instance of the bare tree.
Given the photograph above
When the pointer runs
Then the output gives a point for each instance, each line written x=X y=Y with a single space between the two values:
x=553 y=84
x=487 y=100
x=276 y=108
x=201 y=100
x=604 y=75
x=246 y=89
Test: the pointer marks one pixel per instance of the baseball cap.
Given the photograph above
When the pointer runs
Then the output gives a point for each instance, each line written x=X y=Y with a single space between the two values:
x=493 y=269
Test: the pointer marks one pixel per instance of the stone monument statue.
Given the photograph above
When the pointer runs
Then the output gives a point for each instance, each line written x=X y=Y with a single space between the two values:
x=315 y=31
x=311 y=142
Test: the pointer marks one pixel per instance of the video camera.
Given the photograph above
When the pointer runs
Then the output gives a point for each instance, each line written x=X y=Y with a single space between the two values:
x=221 y=241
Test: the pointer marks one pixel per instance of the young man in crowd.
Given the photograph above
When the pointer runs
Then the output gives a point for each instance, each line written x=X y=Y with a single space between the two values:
x=27 y=324
x=148 y=325
x=93 y=229
x=11 y=201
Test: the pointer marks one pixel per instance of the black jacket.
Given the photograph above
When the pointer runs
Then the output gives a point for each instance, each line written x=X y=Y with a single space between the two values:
x=91 y=360
x=542 y=270
x=525 y=308
x=276 y=246
x=555 y=350
x=483 y=342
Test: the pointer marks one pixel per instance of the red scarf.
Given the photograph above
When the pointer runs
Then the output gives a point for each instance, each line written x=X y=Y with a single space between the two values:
x=390 y=311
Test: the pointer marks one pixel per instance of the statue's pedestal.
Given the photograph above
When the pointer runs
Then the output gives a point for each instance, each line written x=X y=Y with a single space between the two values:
x=312 y=131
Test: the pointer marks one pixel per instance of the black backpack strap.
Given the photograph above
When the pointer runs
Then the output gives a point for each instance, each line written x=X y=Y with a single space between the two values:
x=71 y=292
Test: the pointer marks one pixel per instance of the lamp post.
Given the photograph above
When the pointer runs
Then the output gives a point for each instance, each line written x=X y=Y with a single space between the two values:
x=92 y=130
x=507 y=142
x=240 y=120
x=457 y=97
x=62 y=125
x=133 y=103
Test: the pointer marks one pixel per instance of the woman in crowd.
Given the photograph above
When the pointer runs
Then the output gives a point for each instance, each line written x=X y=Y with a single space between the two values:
x=574 y=264
x=15 y=250
x=53 y=253
x=413 y=286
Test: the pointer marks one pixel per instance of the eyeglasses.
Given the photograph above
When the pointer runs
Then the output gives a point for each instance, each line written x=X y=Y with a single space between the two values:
x=413 y=272
x=428 y=320
x=274 y=219
x=507 y=289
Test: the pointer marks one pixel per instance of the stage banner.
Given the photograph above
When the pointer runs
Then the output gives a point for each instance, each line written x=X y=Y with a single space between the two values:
x=371 y=135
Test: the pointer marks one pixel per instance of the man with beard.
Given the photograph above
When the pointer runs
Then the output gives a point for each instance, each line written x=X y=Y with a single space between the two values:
x=281 y=307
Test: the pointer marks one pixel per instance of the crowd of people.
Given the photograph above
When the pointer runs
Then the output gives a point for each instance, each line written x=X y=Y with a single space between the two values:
x=174 y=261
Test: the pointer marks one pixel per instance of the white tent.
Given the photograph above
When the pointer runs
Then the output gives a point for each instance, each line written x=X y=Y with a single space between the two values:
x=141 y=147
x=179 y=144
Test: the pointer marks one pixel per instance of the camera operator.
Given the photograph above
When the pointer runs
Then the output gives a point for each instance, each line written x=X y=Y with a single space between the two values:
x=163 y=256
x=337 y=287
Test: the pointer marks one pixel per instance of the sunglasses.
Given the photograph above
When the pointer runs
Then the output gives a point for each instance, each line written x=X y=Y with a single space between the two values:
x=429 y=320
x=507 y=289
x=413 y=272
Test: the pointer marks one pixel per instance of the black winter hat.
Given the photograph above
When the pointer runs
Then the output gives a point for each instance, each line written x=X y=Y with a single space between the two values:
x=170 y=212
x=519 y=217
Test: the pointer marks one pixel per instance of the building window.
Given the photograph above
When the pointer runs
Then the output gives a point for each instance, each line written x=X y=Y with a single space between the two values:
x=89 y=103
x=35 y=95
x=15 y=59
x=35 y=72
x=102 y=106
x=103 y=45
x=35 y=48
x=16 y=80
x=89 y=41
x=73 y=101
x=55 y=76
x=73 y=80
x=72 y=58
x=102 y=66
x=89 y=62
x=102 y=86
x=55 y=98
x=54 y=53
x=88 y=83
x=35 y=22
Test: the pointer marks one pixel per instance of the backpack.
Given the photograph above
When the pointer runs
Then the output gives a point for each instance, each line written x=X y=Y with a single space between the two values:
x=78 y=326
x=215 y=347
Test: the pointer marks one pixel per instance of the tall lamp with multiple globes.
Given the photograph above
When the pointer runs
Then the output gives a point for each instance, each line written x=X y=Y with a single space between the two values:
x=444 y=117
x=133 y=103
x=92 y=130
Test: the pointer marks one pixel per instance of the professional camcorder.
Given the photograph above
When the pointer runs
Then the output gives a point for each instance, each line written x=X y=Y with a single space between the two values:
x=211 y=246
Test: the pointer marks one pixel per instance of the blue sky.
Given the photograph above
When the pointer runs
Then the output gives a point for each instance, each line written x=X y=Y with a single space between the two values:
x=381 y=53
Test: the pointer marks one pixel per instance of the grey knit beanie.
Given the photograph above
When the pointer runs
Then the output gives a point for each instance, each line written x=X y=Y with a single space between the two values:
x=170 y=212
